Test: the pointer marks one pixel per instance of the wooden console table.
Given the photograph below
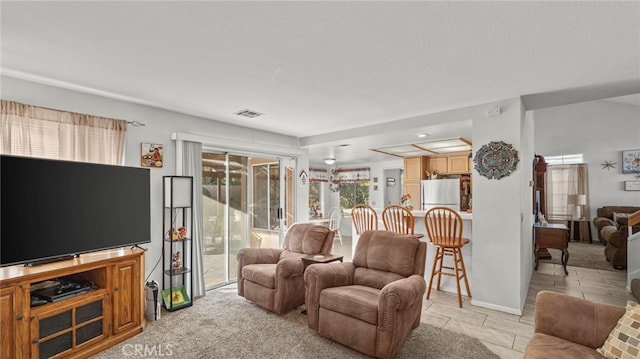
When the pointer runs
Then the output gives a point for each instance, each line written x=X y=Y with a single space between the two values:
x=555 y=236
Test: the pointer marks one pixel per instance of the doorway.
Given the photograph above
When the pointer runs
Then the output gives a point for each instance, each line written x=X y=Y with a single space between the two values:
x=393 y=187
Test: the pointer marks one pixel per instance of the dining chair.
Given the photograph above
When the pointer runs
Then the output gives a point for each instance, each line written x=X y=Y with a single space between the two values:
x=444 y=228
x=335 y=215
x=364 y=218
x=398 y=219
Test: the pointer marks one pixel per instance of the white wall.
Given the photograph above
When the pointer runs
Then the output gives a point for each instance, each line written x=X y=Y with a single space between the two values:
x=497 y=211
x=528 y=219
x=600 y=130
x=160 y=124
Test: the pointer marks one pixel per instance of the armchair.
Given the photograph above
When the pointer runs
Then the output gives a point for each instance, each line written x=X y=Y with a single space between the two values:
x=272 y=278
x=373 y=303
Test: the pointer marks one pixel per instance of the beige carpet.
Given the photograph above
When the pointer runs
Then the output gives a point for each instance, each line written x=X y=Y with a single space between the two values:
x=224 y=325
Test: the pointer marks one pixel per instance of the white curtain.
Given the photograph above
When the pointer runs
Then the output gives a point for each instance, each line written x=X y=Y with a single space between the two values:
x=192 y=166
x=46 y=133
x=567 y=191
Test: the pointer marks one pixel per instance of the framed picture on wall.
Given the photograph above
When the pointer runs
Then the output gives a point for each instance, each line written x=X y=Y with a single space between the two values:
x=631 y=161
x=151 y=155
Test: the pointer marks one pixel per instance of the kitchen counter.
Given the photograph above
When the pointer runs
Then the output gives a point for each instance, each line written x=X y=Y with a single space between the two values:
x=447 y=283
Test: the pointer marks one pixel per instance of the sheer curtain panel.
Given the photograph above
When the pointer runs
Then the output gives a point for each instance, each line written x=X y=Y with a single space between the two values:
x=46 y=133
x=567 y=191
x=192 y=166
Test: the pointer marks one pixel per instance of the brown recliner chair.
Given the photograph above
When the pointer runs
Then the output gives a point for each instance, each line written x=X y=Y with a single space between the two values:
x=273 y=278
x=616 y=249
x=373 y=303
x=604 y=218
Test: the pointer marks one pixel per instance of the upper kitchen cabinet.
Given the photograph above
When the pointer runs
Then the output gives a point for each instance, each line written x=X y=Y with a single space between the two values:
x=454 y=163
x=414 y=168
x=414 y=172
x=438 y=165
x=458 y=164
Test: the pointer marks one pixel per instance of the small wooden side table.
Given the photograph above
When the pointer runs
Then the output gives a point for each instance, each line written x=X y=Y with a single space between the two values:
x=573 y=223
x=320 y=258
x=555 y=236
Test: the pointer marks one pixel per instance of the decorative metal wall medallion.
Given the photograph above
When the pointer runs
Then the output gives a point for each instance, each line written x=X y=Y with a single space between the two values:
x=607 y=165
x=496 y=160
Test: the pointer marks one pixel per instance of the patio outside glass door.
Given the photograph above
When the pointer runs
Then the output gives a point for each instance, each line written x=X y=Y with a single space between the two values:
x=242 y=199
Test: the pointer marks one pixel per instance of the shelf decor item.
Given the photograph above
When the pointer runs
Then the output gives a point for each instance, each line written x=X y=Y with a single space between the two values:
x=177 y=246
x=496 y=160
x=176 y=298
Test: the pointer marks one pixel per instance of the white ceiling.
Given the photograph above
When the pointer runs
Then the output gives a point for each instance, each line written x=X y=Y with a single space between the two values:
x=321 y=70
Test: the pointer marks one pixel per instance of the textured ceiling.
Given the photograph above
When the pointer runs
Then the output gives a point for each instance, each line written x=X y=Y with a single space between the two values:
x=315 y=68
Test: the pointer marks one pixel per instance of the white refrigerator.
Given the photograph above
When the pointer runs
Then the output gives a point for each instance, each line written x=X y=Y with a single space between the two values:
x=440 y=193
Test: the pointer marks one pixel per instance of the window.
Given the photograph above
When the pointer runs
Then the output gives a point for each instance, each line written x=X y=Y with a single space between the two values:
x=354 y=186
x=564 y=159
x=315 y=194
x=353 y=193
x=317 y=178
x=266 y=196
x=41 y=132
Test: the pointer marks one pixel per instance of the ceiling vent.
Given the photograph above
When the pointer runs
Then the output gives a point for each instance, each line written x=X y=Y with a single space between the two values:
x=248 y=113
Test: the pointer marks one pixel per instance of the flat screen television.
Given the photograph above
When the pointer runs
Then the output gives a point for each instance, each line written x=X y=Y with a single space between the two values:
x=50 y=208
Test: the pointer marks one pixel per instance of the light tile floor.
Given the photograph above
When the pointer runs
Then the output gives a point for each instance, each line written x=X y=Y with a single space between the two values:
x=507 y=334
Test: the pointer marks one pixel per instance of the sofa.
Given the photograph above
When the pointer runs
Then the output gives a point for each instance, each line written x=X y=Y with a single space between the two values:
x=604 y=218
x=569 y=327
x=613 y=231
x=616 y=249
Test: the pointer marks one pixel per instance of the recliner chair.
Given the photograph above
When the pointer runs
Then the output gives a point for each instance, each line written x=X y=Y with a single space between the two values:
x=273 y=278
x=373 y=303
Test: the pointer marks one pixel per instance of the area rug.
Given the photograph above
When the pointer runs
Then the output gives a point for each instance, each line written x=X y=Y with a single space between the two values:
x=224 y=325
x=583 y=254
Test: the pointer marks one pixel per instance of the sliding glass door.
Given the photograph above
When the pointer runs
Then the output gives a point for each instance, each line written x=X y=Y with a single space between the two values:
x=245 y=200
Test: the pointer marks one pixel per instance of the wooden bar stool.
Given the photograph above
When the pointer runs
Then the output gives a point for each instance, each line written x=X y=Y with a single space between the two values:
x=444 y=228
x=364 y=218
x=398 y=219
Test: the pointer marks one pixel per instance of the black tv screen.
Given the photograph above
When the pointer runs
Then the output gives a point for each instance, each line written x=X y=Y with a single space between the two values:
x=52 y=208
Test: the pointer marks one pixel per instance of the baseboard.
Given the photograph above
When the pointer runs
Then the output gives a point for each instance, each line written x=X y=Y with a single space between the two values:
x=496 y=307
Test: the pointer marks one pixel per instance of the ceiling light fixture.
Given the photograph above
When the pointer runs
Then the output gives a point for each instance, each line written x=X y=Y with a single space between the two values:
x=421 y=135
x=329 y=161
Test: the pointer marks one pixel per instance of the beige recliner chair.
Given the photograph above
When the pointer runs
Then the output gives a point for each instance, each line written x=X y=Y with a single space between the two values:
x=373 y=303
x=273 y=278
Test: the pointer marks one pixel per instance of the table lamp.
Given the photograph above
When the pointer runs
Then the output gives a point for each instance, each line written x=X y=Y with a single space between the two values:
x=581 y=201
x=572 y=200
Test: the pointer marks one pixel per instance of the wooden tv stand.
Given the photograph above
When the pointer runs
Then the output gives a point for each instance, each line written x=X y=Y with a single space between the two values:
x=79 y=326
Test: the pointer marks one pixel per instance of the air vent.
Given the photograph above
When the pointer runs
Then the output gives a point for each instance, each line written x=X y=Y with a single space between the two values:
x=248 y=113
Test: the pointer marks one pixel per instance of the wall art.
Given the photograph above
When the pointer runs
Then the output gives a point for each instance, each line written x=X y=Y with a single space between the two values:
x=632 y=185
x=151 y=155
x=607 y=165
x=631 y=161
x=496 y=160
